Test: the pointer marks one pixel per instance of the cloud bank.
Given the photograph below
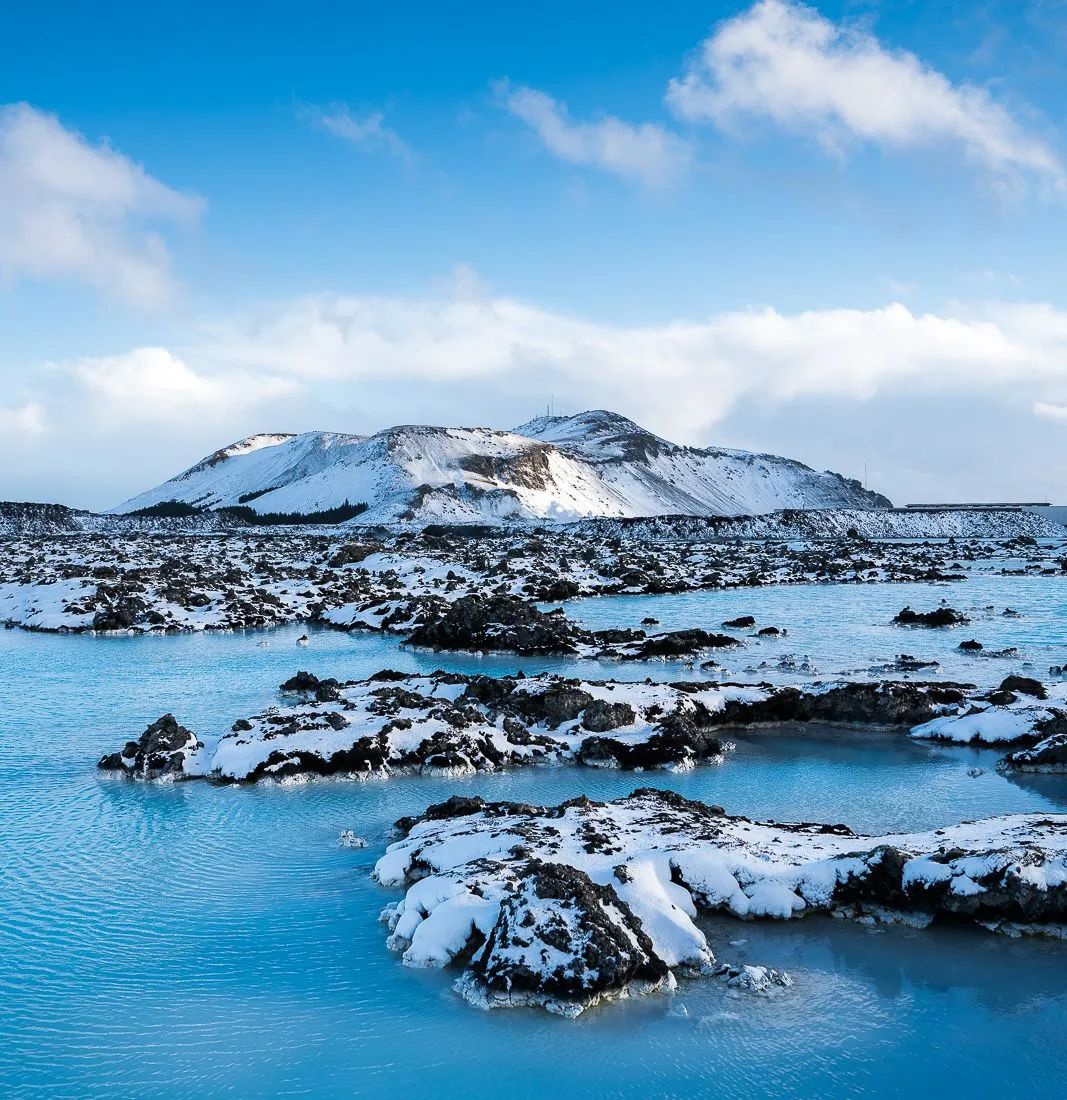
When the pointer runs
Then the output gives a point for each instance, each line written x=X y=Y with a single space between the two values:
x=359 y=363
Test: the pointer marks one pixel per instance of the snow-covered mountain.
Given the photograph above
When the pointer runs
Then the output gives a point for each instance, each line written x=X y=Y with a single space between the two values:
x=554 y=467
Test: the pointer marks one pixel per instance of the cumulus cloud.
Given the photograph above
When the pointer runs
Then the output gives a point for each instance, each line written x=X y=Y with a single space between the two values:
x=367 y=131
x=73 y=210
x=152 y=384
x=645 y=153
x=783 y=61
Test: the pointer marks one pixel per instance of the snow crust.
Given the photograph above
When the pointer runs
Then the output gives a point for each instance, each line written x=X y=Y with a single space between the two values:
x=981 y=722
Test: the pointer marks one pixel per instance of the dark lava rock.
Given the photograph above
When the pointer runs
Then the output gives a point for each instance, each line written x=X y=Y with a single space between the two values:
x=561 y=589
x=618 y=636
x=1049 y=755
x=885 y=704
x=160 y=752
x=740 y=622
x=769 y=632
x=941 y=616
x=1000 y=698
x=600 y=716
x=683 y=643
x=352 y=553
x=560 y=937
x=677 y=742
x=326 y=691
x=971 y=646
x=905 y=662
x=459 y=805
x=302 y=681
x=562 y=703
x=123 y=614
x=364 y=757
x=1024 y=685
x=498 y=623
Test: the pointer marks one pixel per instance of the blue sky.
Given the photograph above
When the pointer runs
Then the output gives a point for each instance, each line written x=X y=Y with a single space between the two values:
x=832 y=232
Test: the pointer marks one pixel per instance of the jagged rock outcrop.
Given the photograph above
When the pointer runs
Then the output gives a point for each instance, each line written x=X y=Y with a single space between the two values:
x=162 y=752
x=499 y=623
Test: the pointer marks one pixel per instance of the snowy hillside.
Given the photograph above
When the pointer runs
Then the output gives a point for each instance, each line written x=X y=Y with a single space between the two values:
x=559 y=468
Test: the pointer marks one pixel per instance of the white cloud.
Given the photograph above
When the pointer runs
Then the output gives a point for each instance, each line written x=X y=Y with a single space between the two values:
x=646 y=153
x=1046 y=411
x=784 y=61
x=154 y=385
x=366 y=131
x=70 y=209
x=25 y=419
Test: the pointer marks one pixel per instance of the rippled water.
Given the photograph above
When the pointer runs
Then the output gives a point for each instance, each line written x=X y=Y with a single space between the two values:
x=191 y=940
x=848 y=627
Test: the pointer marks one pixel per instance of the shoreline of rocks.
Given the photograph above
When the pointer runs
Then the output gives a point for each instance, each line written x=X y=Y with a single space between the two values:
x=445 y=723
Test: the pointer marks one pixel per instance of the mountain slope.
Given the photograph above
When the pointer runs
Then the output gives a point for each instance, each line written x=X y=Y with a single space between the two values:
x=594 y=464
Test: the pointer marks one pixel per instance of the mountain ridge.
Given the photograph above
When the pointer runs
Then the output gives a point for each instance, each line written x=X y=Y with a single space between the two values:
x=595 y=463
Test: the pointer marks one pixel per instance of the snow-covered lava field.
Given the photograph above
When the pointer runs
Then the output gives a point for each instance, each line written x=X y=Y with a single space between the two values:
x=570 y=769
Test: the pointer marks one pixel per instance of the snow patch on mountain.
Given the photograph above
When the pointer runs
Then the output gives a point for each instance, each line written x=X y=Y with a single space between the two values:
x=557 y=468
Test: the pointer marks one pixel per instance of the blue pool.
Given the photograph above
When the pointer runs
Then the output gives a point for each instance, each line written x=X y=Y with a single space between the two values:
x=199 y=941
x=844 y=628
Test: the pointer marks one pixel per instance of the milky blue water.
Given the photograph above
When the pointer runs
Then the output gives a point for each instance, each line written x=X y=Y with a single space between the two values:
x=191 y=940
x=845 y=628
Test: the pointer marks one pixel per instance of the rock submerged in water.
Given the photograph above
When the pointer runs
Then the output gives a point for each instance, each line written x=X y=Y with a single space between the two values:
x=682 y=643
x=941 y=616
x=752 y=979
x=160 y=753
x=564 y=906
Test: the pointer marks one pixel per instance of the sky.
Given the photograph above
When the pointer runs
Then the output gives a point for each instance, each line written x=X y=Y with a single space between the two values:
x=829 y=231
